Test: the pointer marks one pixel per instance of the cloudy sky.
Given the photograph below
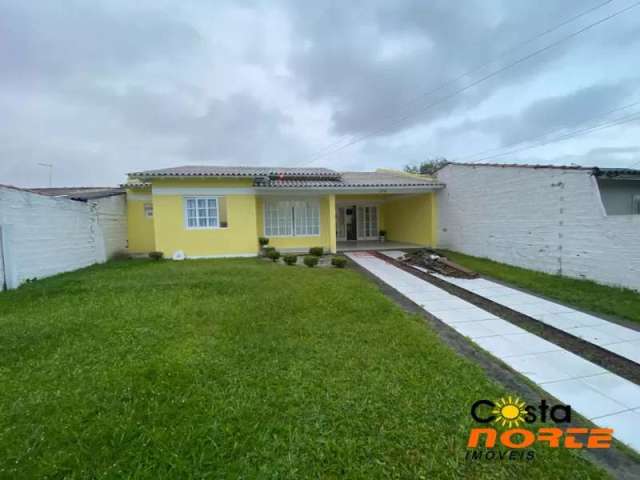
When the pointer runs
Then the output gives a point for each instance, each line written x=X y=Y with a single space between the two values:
x=102 y=88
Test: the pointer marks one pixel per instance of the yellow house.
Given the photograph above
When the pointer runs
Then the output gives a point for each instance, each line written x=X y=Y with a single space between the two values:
x=211 y=211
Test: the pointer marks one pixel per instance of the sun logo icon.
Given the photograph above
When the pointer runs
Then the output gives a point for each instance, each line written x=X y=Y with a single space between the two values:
x=509 y=412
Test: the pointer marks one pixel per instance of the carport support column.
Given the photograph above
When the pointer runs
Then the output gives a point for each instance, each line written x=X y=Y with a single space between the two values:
x=332 y=224
x=434 y=219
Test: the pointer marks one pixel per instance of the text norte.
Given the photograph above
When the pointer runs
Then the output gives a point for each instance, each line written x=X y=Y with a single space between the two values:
x=513 y=412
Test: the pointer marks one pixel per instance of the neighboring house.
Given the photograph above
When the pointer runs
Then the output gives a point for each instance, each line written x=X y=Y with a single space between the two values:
x=576 y=221
x=48 y=231
x=210 y=211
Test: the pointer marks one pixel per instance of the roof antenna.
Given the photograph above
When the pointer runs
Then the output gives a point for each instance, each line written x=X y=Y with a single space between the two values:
x=50 y=167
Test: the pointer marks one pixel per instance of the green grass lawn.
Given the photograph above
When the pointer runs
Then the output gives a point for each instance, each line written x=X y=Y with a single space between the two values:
x=235 y=369
x=583 y=294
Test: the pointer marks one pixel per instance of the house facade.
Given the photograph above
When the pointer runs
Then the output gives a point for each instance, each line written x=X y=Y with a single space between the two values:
x=211 y=211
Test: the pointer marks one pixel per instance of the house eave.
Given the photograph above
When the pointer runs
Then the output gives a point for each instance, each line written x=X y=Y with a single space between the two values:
x=349 y=190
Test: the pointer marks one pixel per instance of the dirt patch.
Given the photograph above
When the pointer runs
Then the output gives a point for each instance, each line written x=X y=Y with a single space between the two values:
x=617 y=461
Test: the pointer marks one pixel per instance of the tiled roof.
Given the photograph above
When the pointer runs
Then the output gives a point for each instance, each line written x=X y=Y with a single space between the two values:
x=79 y=193
x=134 y=185
x=386 y=179
x=616 y=172
x=607 y=172
x=358 y=180
x=287 y=177
x=216 y=171
x=519 y=165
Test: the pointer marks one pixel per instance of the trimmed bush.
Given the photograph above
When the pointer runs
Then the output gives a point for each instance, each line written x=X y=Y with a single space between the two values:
x=316 y=251
x=273 y=255
x=290 y=259
x=310 y=260
x=383 y=233
x=339 y=262
x=263 y=241
x=156 y=255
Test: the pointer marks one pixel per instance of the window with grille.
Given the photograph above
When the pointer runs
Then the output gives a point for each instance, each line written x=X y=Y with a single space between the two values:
x=201 y=212
x=286 y=218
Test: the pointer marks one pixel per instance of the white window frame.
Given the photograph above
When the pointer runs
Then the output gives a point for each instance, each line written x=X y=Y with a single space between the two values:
x=314 y=203
x=196 y=198
x=361 y=225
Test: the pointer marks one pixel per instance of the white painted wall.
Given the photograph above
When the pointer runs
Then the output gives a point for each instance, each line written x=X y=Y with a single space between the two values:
x=44 y=235
x=543 y=219
x=112 y=221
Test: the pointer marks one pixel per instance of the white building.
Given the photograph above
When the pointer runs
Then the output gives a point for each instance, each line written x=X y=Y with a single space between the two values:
x=575 y=221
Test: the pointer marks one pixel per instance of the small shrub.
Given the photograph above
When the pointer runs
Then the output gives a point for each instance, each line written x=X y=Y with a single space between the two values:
x=273 y=255
x=265 y=251
x=310 y=261
x=383 y=233
x=156 y=255
x=339 y=262
x=290 y=259
x=263 y=241
x=316 y=251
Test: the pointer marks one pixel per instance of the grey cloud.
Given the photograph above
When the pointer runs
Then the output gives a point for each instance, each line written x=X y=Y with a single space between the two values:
x=552 y=114
x=105 y=87
x=618 y=157
x=113 y=134
x=340 y=56
x=561 y=112
x=44 y=41
x=241 y=131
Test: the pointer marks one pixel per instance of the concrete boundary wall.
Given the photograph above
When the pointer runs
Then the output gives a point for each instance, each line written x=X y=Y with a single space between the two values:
x=546 y=219
x=42 y=235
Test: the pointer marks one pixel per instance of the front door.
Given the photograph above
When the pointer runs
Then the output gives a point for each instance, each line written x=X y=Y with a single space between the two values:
x=346 y=227
x=350 y=223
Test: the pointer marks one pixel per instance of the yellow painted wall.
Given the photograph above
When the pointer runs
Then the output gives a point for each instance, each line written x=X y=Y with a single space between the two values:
x=240 y=237
x=141 y=238
x=326 y=239
x=411 y=219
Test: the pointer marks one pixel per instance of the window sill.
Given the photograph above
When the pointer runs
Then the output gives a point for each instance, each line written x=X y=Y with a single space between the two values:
x=206 y=228
x=292 y=236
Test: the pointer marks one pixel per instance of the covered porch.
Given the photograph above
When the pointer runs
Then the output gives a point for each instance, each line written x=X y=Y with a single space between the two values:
x=405 y=221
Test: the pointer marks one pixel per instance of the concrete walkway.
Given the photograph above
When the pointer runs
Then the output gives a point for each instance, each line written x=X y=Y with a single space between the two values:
x=608 y=335
x=616 y=338
x=597 y=394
